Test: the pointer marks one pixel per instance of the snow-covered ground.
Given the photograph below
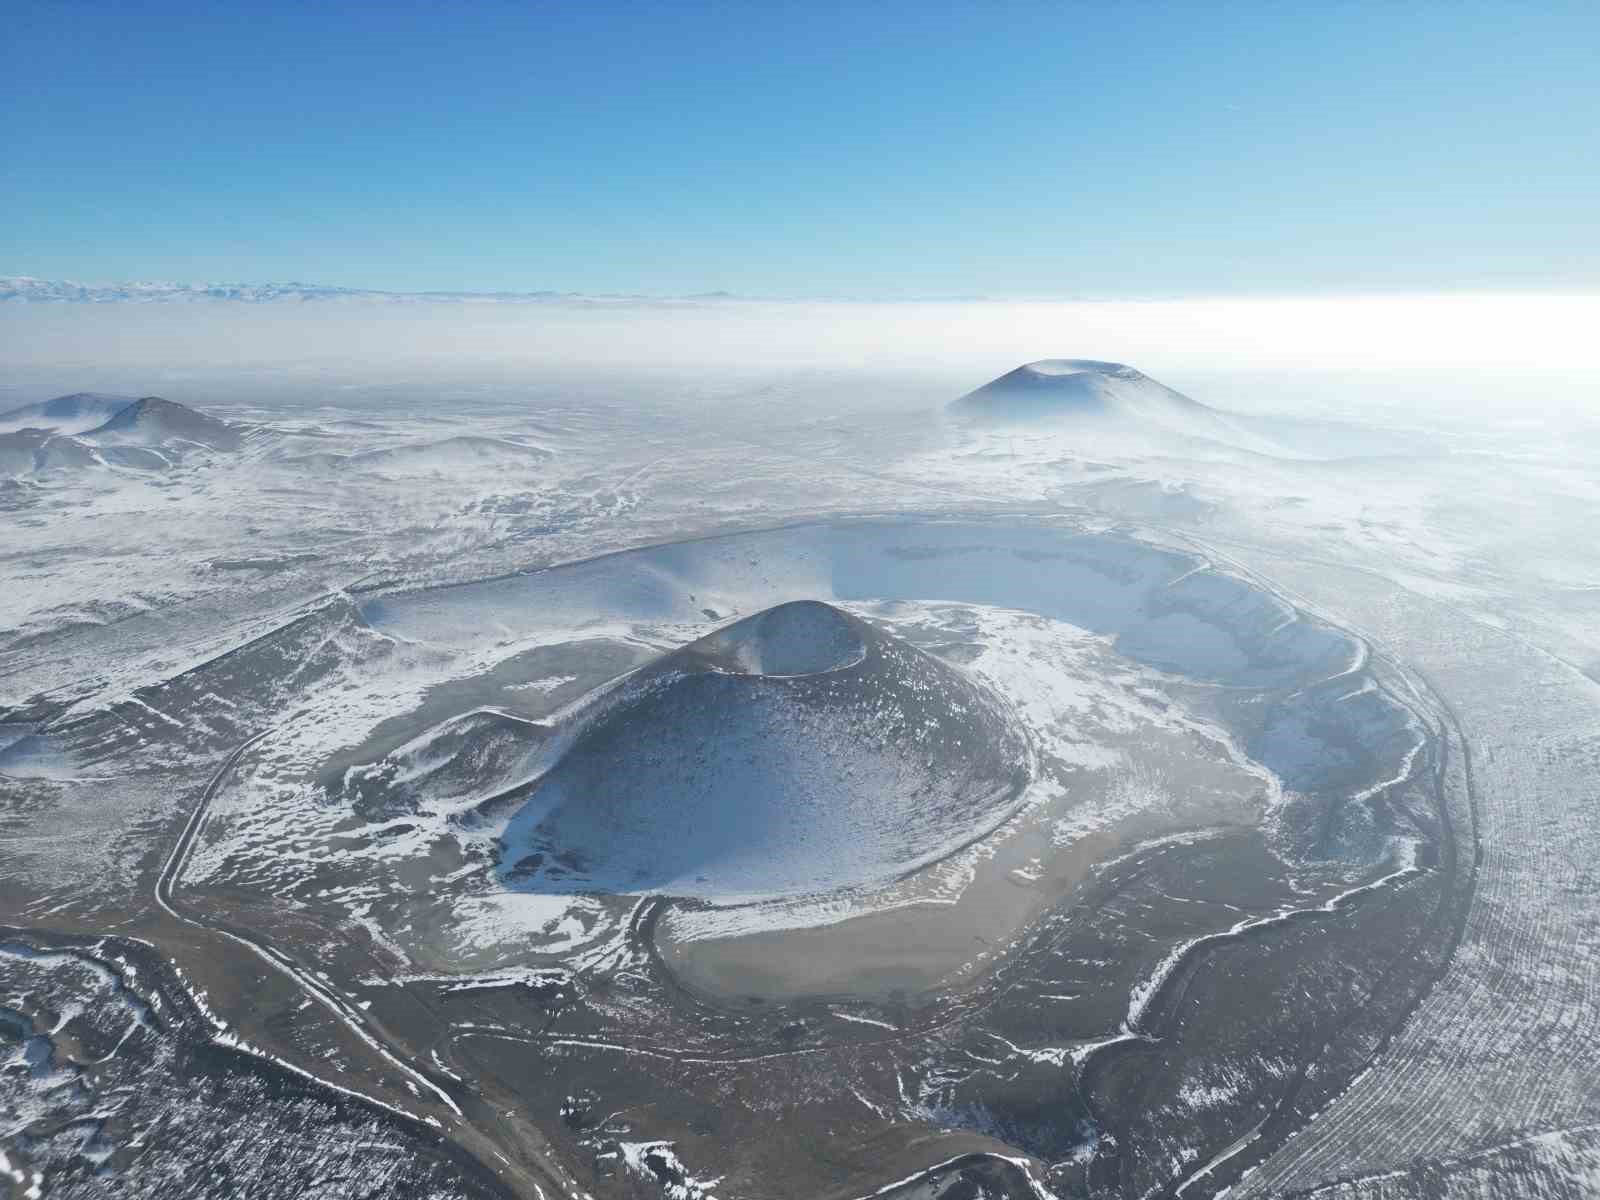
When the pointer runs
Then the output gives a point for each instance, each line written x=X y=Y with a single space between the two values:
x=1262 y=587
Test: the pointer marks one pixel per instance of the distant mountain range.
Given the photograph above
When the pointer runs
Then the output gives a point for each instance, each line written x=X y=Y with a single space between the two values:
x=27 y=289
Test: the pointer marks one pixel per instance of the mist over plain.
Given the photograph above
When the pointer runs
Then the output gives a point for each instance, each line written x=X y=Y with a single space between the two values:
x=1452 y=356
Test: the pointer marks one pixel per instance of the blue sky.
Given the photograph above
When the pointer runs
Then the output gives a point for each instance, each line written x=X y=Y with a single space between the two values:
x=877 y=150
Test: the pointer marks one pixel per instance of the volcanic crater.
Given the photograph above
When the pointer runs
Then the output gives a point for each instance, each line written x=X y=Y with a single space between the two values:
x=797 y=751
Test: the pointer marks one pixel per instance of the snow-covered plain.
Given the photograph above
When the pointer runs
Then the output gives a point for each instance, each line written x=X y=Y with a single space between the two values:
x=357 y=571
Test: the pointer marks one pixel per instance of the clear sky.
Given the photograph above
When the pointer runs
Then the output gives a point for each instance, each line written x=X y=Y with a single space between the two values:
x=877 y=149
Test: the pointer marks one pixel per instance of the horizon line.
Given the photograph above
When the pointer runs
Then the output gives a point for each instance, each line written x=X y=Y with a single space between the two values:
x=34 y=289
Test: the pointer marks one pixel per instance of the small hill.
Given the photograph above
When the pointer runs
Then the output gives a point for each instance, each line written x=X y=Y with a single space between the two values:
x=797 y=751
x=77 y=413
x=455 y=766
x=93 y=429
x=446 y=456
x=32 y=451
x=1105 y=399
x=153 y=421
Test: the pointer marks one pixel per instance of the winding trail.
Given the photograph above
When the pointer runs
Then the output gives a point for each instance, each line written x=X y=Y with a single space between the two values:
x=346 y=1012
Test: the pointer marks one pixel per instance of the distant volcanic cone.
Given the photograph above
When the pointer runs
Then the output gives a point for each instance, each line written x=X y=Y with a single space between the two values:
x=152 y=421
x=797 y=751
x=1076 y=387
